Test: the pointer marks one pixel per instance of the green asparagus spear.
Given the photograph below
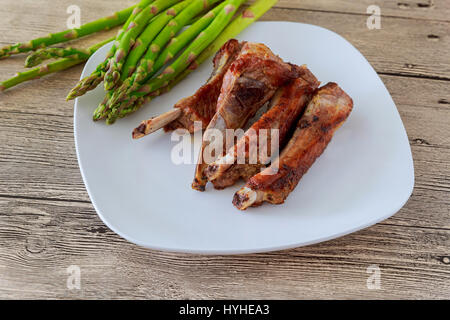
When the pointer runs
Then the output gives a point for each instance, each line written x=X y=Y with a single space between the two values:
x=88 y=83
x=139 y=7
x=96 y=77
x=146 y=99
x=141 y=44
x=202 y=41
x=36 y=58
x=148 y=35
x=146 y=65
x=250 y=15
x=112 y=76
x=246 y=18
x=59 y=65
x=175 y=46
x=178 y=43
x=136 y=105
x=101 y=24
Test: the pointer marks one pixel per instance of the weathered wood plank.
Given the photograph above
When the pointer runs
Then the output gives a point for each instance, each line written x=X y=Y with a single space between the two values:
x=41 y=238
x=426 y=9
x=399 y=47
x=426 y=43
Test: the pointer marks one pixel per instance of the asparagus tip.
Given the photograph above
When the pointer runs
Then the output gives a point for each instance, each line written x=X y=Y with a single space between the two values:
x=72 y=94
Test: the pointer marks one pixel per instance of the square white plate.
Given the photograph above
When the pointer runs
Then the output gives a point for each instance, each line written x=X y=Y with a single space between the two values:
x=365 y=175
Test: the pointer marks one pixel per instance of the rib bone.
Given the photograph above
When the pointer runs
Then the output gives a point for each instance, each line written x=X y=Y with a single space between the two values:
x=154 y=124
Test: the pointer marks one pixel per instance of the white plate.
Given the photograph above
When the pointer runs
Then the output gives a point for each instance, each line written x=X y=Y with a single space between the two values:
x=365 y=175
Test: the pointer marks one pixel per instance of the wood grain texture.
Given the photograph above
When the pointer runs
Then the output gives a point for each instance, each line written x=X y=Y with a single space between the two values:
x=42 y=238
x=47 y=222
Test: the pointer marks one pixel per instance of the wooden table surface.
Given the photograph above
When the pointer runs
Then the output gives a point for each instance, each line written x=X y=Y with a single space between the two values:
x=47 y=222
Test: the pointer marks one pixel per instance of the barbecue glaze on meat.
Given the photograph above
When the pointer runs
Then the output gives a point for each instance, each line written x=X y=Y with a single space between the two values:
x=249 y=83
x=287 y=105
x=201 y=106
x=328 y=109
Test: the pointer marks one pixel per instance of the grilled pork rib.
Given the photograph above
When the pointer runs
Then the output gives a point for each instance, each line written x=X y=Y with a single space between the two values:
x=201 y=106
x=328 y=109
x=249 y=83
x=286 y=106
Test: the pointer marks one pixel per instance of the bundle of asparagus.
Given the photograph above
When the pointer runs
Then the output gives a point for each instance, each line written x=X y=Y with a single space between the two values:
x=151 y=53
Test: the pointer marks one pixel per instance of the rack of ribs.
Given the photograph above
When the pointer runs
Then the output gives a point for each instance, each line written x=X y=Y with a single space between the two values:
x=201 y=106
x=326 y=112
x=250 y=82
x=253 y=151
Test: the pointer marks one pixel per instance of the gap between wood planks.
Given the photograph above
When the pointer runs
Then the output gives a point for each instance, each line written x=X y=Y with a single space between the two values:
x=8 y=196
x=358 y=14
x=417 y=76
